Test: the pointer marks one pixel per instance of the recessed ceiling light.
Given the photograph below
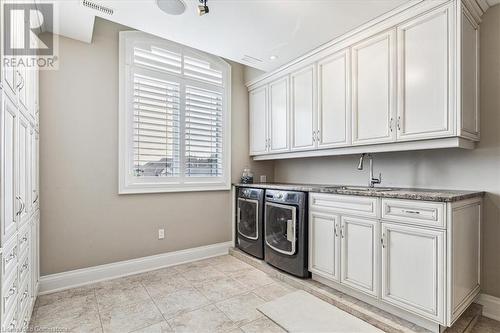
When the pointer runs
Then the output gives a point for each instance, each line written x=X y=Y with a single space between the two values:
x=172 y=7
x=273 y=57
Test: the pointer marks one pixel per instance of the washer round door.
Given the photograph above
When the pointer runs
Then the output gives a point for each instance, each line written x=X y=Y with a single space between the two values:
x=280 y=228
x=248 y=218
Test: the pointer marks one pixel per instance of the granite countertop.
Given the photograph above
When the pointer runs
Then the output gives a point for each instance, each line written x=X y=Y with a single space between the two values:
x=383 y=192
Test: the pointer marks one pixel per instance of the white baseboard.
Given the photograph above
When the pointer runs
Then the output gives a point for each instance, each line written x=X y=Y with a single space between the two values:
x=84 y=276
x=491 y=306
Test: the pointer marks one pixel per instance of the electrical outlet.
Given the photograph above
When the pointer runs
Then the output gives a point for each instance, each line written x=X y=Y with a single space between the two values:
x=161 y=233
x=263 y=178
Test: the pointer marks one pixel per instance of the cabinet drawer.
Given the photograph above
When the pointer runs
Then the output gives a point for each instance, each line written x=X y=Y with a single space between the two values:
x=345 y=204
x=24 y=239
x=24 y=267
x=414 y=212
x=9 y=258
x=10 y=290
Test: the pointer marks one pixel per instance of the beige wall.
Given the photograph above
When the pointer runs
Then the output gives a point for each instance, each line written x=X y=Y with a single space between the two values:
x=477 y=169
x=250 y=73
x=84 y=221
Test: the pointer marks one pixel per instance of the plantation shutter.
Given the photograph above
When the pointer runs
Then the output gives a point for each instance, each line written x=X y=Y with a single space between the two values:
x=156 y=127
x=203 y=132
x=176 y=120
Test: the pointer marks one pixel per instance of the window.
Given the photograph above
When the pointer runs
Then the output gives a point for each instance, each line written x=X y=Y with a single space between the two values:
x=174 y=117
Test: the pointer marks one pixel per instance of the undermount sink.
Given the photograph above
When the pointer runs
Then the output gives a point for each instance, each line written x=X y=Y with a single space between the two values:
x=362 y=188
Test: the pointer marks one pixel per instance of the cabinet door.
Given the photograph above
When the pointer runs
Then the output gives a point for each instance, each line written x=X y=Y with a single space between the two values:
x=334 y=107
x=359 y=239
x=413 y=269
x=324 y=245
x=23 y=174
x=9 y=72
x=258 y=120
x=470 y=124
x=278 y=115
x=34 y=170
x=35 y=262
x=425 y=77
x=10 y=205
x=303 y=105
x=374 y=90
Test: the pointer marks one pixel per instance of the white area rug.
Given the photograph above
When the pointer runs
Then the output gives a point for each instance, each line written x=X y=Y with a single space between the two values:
x=303 y=312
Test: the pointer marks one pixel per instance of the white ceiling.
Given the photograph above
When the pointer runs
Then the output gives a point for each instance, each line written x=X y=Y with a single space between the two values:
x=234 y=28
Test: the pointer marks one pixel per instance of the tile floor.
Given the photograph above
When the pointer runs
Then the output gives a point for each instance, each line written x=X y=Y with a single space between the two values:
x=213 y=295
x=219 y=294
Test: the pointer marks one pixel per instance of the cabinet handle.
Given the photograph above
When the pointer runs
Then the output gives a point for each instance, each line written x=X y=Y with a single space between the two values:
x=416 y=212
x=391 y=122
x=382 y=241
x=318 y=136
x=342 y=232
x=11 y=292
x=399 y=121
x=19 y=77
x=20 y=85
x=11 y=256
x=21 y=203
x=36 y=198
x=335 y=231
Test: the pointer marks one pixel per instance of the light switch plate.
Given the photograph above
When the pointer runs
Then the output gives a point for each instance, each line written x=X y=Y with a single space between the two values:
x=161 y=233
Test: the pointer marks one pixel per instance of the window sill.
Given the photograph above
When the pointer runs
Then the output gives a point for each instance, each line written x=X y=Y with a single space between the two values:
x=140 y=189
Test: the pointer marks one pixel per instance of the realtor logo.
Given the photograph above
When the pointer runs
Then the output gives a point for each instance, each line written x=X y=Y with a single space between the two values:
x=22 y=26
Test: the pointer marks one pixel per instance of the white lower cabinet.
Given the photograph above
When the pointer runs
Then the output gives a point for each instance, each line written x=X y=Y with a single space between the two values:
x=324 y=253
x=426 y=271
x=413 y=269
x=359 y=254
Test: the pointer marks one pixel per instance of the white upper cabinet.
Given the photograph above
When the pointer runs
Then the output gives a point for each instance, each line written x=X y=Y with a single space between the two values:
x=424 y=96
x=469 y=124
x=279 y=115
x=334 y=113
x=258 y=121
x=303 y=107
x=373 y=89
x=10 y=204
x=34 y=170
x=408 y=82
x=23 y=168
x=413 y=269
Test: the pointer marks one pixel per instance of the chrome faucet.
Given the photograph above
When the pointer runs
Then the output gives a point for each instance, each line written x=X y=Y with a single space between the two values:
x=372 y=181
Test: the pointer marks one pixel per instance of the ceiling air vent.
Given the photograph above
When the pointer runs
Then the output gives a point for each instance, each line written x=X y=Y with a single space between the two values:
x=99 y=8
x=251 y=59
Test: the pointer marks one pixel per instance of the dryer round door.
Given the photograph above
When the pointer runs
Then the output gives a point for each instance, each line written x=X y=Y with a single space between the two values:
x=248 y=218
x=281 y=228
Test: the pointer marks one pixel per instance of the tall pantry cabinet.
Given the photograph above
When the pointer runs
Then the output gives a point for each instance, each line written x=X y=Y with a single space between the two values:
x=19 y=193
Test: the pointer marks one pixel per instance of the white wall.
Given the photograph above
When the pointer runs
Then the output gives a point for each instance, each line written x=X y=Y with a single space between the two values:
x=477 y=169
